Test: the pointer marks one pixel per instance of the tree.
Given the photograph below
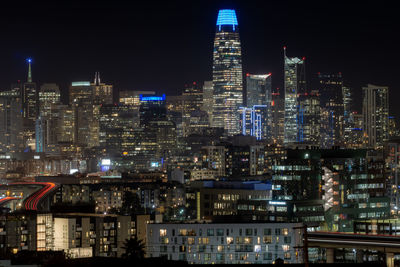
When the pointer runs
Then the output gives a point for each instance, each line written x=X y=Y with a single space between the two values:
x=134 y=249
x=131 y=204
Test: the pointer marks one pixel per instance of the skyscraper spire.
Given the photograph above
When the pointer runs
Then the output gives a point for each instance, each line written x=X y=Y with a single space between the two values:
x=29 y=70
x=97 y=78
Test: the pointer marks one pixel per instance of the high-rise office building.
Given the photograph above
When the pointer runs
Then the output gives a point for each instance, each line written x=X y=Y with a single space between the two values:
x=278 y=118
x=259 y=97
x=116 y=136
x=309 y=118
x=253 y=121
x=86 y=98
x=11 y=138
x=332 y=97
x=132 y=99
x=376 y=114
x=294 y=75
x=152 y=108
x=66 y=124
x=49 y=94
x=227 y=73
x=192 y=101
x=102 y=93
x=258 y=89
x=208 y=99
x=30 y=108
x=29 y=96
x=80 y=98
x=348 y=121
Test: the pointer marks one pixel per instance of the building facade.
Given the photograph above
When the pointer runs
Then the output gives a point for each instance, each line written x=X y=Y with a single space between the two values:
x=234 y=243
x=227 y=73
x=376 y=114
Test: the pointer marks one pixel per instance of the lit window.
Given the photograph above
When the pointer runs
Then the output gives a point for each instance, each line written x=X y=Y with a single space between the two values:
x=163 y=232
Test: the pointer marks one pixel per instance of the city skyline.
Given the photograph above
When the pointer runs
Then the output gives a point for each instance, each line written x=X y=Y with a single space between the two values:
x=73 y=47
x=151 y=160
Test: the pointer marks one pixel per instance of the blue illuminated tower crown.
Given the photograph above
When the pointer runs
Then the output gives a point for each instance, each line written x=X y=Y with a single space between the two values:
x=227 y=17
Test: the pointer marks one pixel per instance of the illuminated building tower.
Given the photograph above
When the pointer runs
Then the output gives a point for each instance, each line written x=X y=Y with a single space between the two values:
x=152 y=108
x=29 y=96
x=192 y=101
x=102 y=93
x=174 y=113
x=208 y=92
x=58 y=127
x=132 y=99
x=358 y=137
x=30 y=108
x=11 y=131
x=278 y=118
x=348 y=122
x=330 y=87
x=258 y=89
x=66 y=124
x=294 y=75
x=376 y=114
x=116 y=136
x=253 y=121
x=227 y=73
x=47 y=122
x=80 y=98
x=159 y=135
x=259 y=94
x=49 y=94
x=309 y=118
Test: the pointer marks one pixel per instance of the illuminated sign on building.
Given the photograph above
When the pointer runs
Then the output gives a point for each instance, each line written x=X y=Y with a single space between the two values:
x=152 y=98
x=80 y=83
x=105 y=165
x=277 y=203
x=154 y=164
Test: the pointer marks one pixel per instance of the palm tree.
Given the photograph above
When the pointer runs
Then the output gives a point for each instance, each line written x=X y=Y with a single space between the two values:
x=134 y=249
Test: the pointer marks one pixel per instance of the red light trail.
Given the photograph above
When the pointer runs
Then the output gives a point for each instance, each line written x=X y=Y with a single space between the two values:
x=32 y=201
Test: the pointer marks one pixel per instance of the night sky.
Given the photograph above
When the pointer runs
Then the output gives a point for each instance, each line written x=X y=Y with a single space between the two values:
x=160 y=46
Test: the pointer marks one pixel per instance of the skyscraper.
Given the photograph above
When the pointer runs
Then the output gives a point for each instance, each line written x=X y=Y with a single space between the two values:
x=49 y=94
x=330 y=87
x=11 y=139
x=227 y=73
x=309 y=118
x=192 y=101
x=258 y=89
x=102 y=93
x=208 y=99
x=30 y=108
x=376 y=114
x=294 y=74
x=259 y=97
x=29 y=96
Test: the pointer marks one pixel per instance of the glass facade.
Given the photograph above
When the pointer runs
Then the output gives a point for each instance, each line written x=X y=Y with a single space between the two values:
x=294 y=84
x=376 y=114
x=227 y=73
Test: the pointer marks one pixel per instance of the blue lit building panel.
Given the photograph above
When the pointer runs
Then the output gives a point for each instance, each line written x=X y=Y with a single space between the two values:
x=152 y=98
x=227 y=17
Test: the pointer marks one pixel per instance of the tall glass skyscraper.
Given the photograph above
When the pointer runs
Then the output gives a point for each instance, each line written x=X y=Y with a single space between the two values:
x=376 y=114
x=294 y=85
x=227 y=73
x=330 y=87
